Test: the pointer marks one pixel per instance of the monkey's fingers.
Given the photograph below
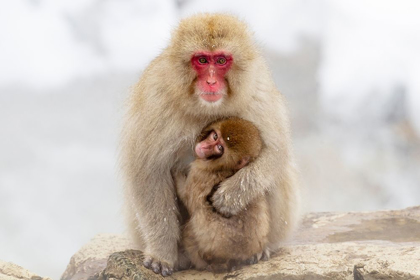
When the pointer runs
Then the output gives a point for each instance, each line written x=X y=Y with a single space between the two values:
x=147 y=262
x=265 y=255
x=157 y=267
x=166 y=269
x=252 y=260
x=262 y=256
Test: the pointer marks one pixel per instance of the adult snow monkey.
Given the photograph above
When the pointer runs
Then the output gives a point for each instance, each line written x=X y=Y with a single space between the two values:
x=211 y=69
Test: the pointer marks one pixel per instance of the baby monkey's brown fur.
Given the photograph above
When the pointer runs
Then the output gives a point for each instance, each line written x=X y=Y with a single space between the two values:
x=211 y=240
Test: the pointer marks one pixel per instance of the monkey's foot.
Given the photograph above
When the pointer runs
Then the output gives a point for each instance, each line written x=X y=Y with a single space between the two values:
x=217 y=268
x=158 y=267
x=252 y=260
x=262 y=256
x=229 y=266
x=265 y=255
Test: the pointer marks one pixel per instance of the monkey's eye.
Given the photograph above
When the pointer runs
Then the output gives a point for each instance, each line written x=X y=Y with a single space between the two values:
x=202 y=60
x=215 y=136
x=221 y=60
x=220 y=148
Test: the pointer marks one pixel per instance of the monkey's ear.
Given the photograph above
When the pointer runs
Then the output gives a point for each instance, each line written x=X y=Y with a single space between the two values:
x=242 y=162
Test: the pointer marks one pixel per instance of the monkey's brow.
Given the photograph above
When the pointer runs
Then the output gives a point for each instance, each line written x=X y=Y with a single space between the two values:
x=204 y=135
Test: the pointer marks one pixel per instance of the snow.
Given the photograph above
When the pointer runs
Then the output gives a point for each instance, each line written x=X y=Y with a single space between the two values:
x=349 y=69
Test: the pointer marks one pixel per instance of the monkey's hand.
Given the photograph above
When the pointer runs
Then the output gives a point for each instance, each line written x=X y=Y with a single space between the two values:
x=235 y=193
x=252 y=181
x=226 y=202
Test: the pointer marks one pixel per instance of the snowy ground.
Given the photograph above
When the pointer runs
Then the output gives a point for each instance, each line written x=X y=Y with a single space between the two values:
x=350 y=71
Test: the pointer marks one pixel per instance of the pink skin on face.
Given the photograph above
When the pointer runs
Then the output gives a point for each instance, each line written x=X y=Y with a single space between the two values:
x=212 y=145
x=211 y=68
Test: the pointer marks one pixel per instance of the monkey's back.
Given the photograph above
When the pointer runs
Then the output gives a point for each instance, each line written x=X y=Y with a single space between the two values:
x=219 y=239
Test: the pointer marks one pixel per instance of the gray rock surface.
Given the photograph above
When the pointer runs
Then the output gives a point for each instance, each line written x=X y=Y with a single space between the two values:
x=364 y=245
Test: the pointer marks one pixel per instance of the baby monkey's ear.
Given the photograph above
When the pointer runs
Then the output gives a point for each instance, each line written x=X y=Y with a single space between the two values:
x=242 y=162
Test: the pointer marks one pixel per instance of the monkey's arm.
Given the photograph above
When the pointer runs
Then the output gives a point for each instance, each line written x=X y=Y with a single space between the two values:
x=272 y=171
x=248 y=183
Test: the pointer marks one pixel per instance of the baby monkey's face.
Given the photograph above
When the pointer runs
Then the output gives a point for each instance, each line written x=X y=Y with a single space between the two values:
x=212 y=146
x=228 y=144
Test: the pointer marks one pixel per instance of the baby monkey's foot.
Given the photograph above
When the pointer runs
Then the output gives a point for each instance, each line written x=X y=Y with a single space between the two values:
x=252 y=260
x=262 y=256
x=158 y=266
x=265 y=255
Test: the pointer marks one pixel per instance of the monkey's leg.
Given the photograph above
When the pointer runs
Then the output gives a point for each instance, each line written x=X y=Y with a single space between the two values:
x=199 y=262
x=183 y=260
x=191 y=249
x=157 y=223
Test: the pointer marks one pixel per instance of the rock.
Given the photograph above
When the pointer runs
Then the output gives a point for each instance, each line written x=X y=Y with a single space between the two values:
x=365 y=245
x=92 y=258
x=10 y=271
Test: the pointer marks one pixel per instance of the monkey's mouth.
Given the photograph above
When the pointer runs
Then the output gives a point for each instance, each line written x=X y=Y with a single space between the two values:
x=211 y=96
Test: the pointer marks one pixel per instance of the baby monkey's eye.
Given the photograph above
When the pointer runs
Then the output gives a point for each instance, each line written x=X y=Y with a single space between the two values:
x=202 y=60
x=221 y=60
x=220 y=148
x=214 y=136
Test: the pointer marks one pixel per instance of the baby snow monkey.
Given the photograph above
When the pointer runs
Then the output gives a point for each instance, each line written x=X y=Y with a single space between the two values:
x=210 y=240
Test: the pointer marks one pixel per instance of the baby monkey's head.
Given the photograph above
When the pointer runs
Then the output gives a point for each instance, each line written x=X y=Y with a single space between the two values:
x=229 y=143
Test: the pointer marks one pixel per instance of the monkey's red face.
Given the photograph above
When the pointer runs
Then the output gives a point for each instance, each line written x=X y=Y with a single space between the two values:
x=211 y=68
x=211 y=147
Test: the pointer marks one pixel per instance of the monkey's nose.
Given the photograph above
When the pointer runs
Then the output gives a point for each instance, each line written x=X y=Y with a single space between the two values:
x=211 y=81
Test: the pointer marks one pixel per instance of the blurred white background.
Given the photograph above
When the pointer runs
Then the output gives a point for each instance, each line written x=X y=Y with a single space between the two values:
x=349 y=69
